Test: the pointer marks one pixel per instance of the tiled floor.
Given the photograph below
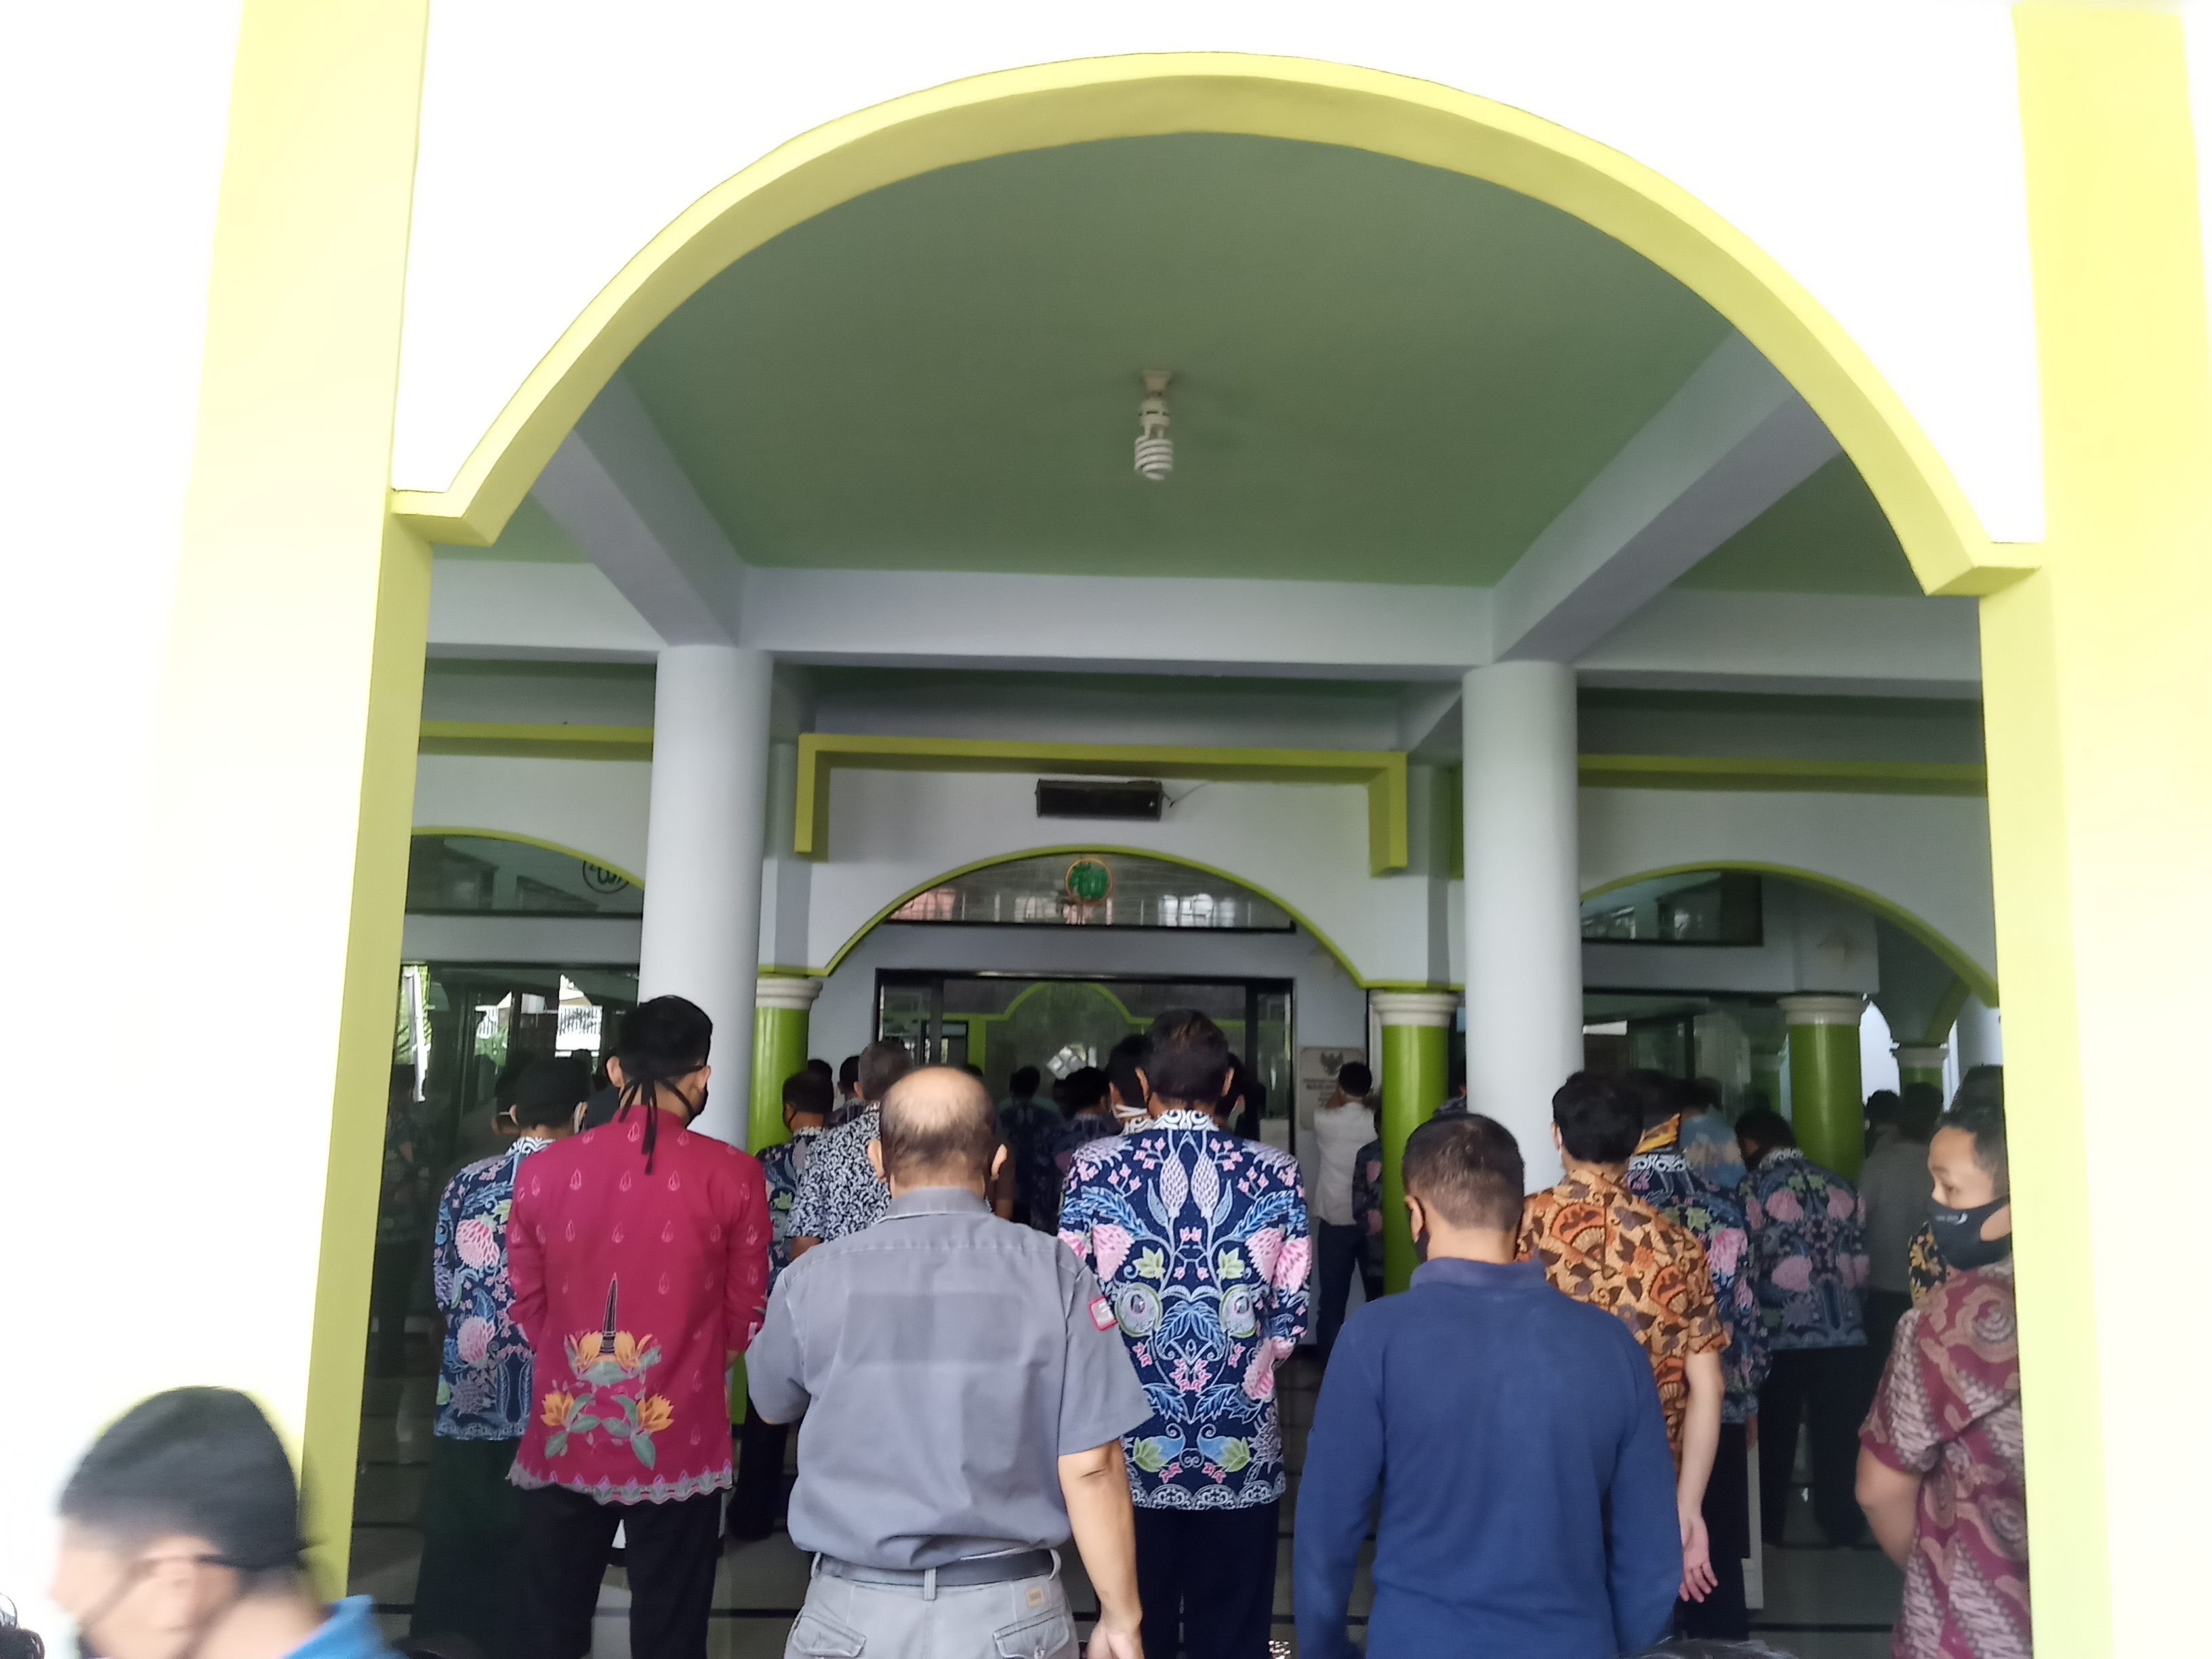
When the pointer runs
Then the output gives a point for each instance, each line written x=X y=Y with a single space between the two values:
x=1821 y=1603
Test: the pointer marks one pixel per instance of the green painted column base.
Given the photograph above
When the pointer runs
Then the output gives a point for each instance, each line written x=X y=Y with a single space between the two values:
x=1827 y=1108
x=1414 y=1063
x=779 y=1050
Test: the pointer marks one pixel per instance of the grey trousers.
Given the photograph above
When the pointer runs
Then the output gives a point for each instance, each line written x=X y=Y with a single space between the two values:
x=1020 y=1618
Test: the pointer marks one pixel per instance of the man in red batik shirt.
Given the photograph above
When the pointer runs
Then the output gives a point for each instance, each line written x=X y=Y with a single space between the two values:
x=638 y=1256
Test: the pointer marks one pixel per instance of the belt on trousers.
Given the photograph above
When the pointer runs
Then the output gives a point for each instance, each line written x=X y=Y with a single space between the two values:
x=976 y=1570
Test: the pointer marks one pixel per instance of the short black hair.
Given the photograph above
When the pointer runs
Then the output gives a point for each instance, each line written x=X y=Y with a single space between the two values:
x=809 y=1092
x=882 y=1063
x=938 y=1120
x=1765 y=1128
x=821 y=1068
x=1121 y=1063
x=1354 y=1079
x=1186 y=1059
x=1918 y=1106
x=1652 y=1094
x=1883 y=1107
x=1467 y=1168
x=1024 y=1082
x=550 y=1090
x=1979 y=1109
x=204 y=1462
x=1599 y=1117
x=848 y=1074
x=1082 y=1088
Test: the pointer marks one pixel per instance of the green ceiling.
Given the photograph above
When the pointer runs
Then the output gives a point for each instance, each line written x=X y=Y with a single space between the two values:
x=1826 y=535
x=1383 y=371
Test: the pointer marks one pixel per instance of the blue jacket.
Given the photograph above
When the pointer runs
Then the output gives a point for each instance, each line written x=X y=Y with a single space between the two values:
x=350 y=1633
x=1527 y=1493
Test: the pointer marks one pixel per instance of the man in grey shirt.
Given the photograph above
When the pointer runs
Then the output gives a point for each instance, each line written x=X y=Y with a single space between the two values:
x=965 y=1391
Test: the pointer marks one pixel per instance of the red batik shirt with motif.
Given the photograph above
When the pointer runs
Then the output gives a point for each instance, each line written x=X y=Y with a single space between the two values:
x=634 y=1285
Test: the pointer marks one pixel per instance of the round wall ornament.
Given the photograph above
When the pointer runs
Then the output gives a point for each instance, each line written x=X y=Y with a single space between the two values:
x=1090 y=880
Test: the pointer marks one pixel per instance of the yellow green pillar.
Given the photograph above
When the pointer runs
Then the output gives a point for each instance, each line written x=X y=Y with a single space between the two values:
x=1827 y=1108
x=782 y=1007
x=1921 y=1062
x=1416 y=1046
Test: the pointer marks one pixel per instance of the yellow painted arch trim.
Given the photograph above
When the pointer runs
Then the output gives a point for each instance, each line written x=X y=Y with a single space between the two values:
x=1071 y=850
x=1976 y=977
x=529 y=840
x=1087 y=99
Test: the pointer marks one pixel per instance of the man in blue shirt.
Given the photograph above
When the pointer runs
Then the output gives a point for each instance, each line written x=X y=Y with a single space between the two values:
x=1528 y=1491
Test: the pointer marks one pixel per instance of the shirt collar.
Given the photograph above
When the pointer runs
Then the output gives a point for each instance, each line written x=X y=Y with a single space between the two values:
x=525 y=1144
x=1661 y=1135
x=1782 y=1155
x=1181 y=1119
x=1481 y=1275
x=937 y=1200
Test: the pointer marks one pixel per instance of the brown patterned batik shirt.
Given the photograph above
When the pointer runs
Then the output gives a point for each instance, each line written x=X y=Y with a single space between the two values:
x=1601 y=1244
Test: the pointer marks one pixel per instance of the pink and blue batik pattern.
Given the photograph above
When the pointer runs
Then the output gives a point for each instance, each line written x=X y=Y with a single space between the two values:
x=1808 y=1229
x=1199 y=1239
x=484 y=1373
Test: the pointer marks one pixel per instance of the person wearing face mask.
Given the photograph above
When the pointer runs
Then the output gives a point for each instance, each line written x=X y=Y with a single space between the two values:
x=180 y=1538
x=1940 y=1473
x=470 y=1516
x=1126 y=1095
x=1527 y=1496
x=638 y=1254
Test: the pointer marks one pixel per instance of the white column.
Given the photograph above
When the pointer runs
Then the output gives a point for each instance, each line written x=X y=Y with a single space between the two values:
x=702 y=874
x=1981 y=1035
x=1524 y=966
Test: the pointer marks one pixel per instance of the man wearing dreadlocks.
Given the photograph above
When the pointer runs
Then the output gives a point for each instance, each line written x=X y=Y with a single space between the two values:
x=637 y=1253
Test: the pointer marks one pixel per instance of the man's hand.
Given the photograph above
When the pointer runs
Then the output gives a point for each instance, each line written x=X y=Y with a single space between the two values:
x=1698 y=1577
x=1105 y=1522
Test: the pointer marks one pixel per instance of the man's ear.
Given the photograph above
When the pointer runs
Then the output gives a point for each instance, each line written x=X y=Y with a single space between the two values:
x=1558 y=1141
x=876 y=1161
x=615 y=1073
x=1228 y=1082
x=997 y=1162
x=1416 y=1215
x=1144 y=1083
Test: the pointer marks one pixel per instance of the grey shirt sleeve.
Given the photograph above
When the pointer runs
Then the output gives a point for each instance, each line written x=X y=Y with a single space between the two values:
x=775 y=1365
x=1100 y=1398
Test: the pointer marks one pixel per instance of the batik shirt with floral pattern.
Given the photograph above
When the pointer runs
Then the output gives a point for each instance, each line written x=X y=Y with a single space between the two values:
x=1660 y=1174
x=1367 y=1203
x=1809 y=1229
x=1948 y=1411
x=483 y=1379
x=782 y=1167
x=1199 y=1239
x=1601 y=1244
x=839 y=1192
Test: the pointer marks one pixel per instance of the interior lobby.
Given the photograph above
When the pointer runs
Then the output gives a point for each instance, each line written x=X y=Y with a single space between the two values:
x=1566 y=537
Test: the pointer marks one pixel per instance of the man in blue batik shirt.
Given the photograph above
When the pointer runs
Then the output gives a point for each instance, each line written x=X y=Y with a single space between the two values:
x=808 y=1100
x=1661 y=1175
x=1200 y=1240
x=471 y=1519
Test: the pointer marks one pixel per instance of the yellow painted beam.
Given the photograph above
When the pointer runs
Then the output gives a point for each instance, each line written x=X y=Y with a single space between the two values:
x=1382 y=772
x=1820 y=776
x=288 y=734
x=617 y=743
x=2096 y=680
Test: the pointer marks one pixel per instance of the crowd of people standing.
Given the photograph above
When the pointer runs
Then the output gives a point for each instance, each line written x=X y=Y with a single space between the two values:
x=1004 y=1328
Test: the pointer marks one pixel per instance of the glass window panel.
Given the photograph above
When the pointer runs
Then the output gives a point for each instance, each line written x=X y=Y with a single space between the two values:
x=1095 y=890
x=474 y=875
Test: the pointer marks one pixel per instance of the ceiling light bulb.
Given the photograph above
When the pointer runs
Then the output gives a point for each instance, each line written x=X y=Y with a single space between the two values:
x=1155 y=449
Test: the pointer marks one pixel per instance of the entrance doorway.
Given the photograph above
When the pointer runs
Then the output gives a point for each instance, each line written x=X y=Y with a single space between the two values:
x=1000 y=1023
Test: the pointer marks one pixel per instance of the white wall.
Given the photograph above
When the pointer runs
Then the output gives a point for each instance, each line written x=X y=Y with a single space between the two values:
x=1929 y=854
x=595 y=807
x=1327 y=1007
x=114 y=127
x=1871 y=147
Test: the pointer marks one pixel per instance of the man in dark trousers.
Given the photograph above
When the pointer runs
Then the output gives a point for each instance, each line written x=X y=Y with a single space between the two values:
x=638 y=1256
x=1528 y=1494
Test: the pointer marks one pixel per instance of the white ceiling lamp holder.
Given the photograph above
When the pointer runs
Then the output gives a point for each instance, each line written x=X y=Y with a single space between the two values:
x=1155 y=449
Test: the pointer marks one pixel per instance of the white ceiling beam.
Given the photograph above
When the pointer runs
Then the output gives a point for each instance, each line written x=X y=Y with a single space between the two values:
x=506 y=609
x=1846 y=644
x=1732 y=442
x=615 y=488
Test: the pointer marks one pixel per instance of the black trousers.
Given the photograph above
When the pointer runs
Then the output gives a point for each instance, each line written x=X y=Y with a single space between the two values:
x=1214 y=1572
x=1342 y=1252
x=760 y=1476
x=471 y=1524
x=1722 y=1614
x=1826 y=1389
x=671 y=1551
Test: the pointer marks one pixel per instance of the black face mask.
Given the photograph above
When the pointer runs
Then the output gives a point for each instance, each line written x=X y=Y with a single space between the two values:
x=1959 y=1235
x=1421 y=1245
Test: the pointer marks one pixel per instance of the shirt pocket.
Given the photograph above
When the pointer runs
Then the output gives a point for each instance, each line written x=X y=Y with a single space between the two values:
x=816 y=1636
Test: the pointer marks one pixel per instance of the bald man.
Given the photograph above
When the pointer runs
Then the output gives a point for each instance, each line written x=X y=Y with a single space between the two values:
x=965 y=1394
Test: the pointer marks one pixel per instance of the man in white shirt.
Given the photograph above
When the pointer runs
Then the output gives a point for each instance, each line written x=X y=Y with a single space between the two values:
x=1344 y=1125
